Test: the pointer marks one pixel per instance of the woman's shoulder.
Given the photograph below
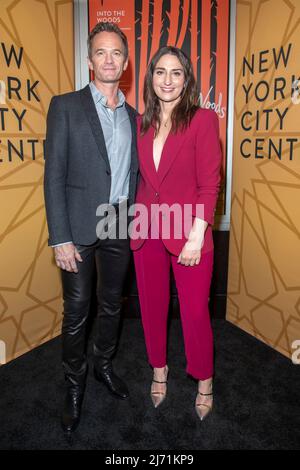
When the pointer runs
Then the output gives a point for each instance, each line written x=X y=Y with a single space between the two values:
x=139 y=118
x=205 y=115
x=149 y=132
x=204 y=119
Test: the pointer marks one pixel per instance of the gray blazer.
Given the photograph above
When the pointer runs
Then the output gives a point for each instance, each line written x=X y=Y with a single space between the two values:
x=77 y=171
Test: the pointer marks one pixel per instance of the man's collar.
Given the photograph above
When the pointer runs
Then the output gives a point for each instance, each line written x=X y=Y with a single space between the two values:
x=98 y=96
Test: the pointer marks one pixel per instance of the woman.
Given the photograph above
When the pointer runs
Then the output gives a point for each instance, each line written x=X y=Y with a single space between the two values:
x=180 y=159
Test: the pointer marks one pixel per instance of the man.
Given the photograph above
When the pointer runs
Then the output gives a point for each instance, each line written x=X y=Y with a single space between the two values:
x=90 y=160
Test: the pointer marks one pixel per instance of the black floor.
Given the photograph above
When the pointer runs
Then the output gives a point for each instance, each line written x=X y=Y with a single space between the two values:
x=256 y=406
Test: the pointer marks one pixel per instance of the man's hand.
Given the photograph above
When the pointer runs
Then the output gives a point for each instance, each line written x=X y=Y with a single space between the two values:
x=66 y=256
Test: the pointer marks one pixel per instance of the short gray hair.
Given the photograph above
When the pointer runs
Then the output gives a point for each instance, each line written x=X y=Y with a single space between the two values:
x=109 y=28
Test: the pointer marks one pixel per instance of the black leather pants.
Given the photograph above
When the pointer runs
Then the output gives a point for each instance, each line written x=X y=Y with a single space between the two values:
x=111 y=258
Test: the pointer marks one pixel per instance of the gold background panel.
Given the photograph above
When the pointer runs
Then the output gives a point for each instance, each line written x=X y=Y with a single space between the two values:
x=30 y=291
x=264 y=258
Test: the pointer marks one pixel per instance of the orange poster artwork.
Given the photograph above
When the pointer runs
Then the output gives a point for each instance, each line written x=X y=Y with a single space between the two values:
x=199 y=27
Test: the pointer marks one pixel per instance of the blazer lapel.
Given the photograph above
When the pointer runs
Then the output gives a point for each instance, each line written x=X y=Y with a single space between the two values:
x=170 y=152
x=145 y=147
x=93 y=119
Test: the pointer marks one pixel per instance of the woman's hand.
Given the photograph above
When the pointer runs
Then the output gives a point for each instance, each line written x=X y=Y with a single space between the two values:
x=191 y=252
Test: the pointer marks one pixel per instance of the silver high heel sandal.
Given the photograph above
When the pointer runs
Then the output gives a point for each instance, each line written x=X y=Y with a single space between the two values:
x=203 y=409
x=158 y=397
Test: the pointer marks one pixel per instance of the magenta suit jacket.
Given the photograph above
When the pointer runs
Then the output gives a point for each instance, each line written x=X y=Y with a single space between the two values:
x=188 y=173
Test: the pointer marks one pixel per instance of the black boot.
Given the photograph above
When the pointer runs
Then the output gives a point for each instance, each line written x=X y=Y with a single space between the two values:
x=115 y=385
x=72 y=408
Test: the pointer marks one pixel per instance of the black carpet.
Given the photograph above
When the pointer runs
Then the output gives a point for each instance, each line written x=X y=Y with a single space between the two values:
x=256 y=404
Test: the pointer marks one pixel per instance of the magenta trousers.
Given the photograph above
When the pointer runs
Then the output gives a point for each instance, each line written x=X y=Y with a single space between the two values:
x=152 y=264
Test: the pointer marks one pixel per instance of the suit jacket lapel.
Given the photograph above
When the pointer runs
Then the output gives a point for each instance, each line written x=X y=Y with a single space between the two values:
x=134 y=158
x=93 y=119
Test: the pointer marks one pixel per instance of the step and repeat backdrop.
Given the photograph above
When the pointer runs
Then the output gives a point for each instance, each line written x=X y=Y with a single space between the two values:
x=264 y=257
x=36 y=62
x=199 y=27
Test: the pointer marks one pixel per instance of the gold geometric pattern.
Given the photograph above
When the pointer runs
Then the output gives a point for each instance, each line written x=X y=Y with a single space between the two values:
x=264 y=257
x=30 y=291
